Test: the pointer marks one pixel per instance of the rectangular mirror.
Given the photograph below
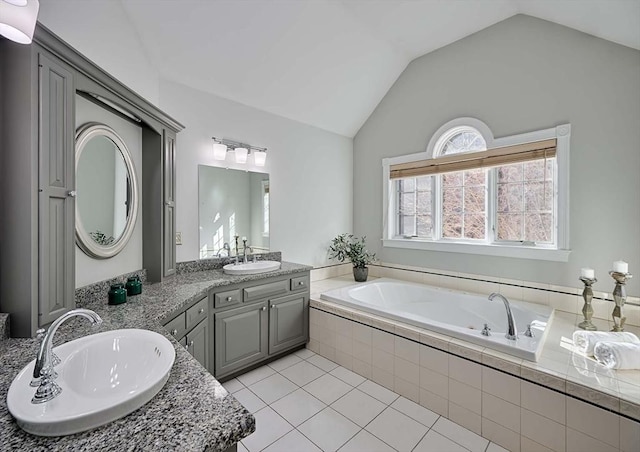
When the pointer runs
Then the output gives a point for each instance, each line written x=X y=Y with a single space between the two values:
x=232 y=202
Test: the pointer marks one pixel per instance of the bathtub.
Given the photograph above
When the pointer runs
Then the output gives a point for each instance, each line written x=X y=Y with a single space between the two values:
x=455 y=314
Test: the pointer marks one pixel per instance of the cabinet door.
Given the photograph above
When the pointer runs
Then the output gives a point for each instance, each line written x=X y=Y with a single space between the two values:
x=240 y=337
x=198 y=343
x=288 y=322
x=169 y=220
x=56 y=182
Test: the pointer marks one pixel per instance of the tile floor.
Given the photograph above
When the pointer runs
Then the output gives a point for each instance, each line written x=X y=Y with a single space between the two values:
x=304 y=402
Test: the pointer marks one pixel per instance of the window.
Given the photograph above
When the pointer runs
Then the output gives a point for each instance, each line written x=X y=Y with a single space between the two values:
x=480 y=195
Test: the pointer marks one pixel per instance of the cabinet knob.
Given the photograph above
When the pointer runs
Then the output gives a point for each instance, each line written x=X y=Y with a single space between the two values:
x=72 y=194
x=174 y=332
x=229 y=298
x=301 y=283
x=191 y=344
x=201 y=310
x=264 y=308
x=273 y=306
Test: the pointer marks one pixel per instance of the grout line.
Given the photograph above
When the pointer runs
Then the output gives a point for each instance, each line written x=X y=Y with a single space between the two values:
x=491 y=367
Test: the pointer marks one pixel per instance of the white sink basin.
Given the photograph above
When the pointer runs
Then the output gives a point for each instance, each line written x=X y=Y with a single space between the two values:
x=103 y=377
x=251 y=268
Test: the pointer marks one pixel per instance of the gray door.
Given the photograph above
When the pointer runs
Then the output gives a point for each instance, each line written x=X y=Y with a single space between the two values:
x=198 y=343
x=169 y=258
x=56 y=180
x=288 y=322
x=240 y=337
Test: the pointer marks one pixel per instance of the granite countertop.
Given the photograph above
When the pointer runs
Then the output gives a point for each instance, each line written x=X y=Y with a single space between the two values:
x=192 y=412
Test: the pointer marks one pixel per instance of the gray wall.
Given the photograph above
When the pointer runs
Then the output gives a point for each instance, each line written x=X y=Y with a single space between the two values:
x=90 y=270
x=520 y=75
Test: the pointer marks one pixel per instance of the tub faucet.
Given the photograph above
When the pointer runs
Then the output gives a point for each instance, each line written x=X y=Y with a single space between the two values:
x=512 y=334
x=43 y=369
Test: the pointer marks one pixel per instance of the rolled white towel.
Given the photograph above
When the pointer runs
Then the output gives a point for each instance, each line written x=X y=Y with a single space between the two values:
x=618 y=355
x=584 y=341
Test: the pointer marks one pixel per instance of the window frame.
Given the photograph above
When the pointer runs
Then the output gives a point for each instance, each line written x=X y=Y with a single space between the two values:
x=492 y=247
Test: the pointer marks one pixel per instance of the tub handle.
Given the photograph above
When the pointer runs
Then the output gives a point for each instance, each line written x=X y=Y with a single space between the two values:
x=486 y=330
x=529 y=333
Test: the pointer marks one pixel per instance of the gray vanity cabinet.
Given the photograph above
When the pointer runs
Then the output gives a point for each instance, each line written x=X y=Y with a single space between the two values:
x=56 y=182
x=38 y=177
x=259 y=320
x=191 y=329
x=241 y=337
x=288 y=322
x=169 y=214
x=197 y=343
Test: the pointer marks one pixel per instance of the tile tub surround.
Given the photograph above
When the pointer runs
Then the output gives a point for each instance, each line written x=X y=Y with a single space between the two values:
x=192 y=412
x=488 y=392
x=218 y=263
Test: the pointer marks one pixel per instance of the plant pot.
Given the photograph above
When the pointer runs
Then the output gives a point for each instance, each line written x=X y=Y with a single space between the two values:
x=360 y=273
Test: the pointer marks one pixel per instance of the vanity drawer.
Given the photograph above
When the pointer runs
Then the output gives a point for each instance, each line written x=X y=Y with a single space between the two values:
x=197 y=312
x=300 y=283
x=178 y=326
x=266 y=290
x=227 y=298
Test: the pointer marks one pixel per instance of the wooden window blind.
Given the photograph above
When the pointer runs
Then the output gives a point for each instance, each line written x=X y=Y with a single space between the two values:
x=507 y=155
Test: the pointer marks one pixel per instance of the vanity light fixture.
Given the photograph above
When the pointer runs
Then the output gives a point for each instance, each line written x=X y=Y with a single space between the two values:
x=18 y=19
x=241 y=151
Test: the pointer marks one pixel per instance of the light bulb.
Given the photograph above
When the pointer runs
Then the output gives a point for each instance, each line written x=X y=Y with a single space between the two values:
x=219 y=151
x=259 y=157
x=18 y=19
x=241 y=155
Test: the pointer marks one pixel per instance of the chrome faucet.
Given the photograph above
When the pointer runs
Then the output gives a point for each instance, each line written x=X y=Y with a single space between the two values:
x=512 y=333
x=225 y=248
x=43 y=369
x=244 y=251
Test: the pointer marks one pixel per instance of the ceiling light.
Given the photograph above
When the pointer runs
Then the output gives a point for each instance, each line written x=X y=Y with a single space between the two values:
x=219 y=151
x=241 y=155
x=259 y=157
x=18 y=19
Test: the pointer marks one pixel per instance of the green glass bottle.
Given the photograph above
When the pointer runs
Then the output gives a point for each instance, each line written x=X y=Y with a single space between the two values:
x=134 y=285
x=117 y=294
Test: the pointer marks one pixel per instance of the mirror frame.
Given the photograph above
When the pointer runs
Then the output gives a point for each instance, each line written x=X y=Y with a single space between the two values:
x=86 y=243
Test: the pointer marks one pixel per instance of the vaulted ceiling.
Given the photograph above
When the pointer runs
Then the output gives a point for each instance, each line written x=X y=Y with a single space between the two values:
x=328 y=63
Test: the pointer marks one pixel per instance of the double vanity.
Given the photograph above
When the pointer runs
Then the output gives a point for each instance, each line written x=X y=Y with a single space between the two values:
x=218 y=324
x=89 y=160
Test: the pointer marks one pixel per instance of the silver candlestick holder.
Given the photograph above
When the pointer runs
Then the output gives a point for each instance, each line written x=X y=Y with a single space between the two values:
x=619 y=297
x=587 y=309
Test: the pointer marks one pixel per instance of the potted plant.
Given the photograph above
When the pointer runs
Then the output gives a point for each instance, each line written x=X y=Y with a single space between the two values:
x=348 y=247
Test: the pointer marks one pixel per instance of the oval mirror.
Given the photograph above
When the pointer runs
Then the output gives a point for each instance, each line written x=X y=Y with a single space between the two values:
x=106 y=190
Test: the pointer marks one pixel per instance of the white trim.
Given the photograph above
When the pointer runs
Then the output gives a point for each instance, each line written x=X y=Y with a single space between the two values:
x=480 y=126
x=485 y=249
x=562 y=133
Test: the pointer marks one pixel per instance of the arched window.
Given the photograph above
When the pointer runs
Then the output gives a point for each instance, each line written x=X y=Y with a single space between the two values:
x=475 y=189
x=462 y=194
